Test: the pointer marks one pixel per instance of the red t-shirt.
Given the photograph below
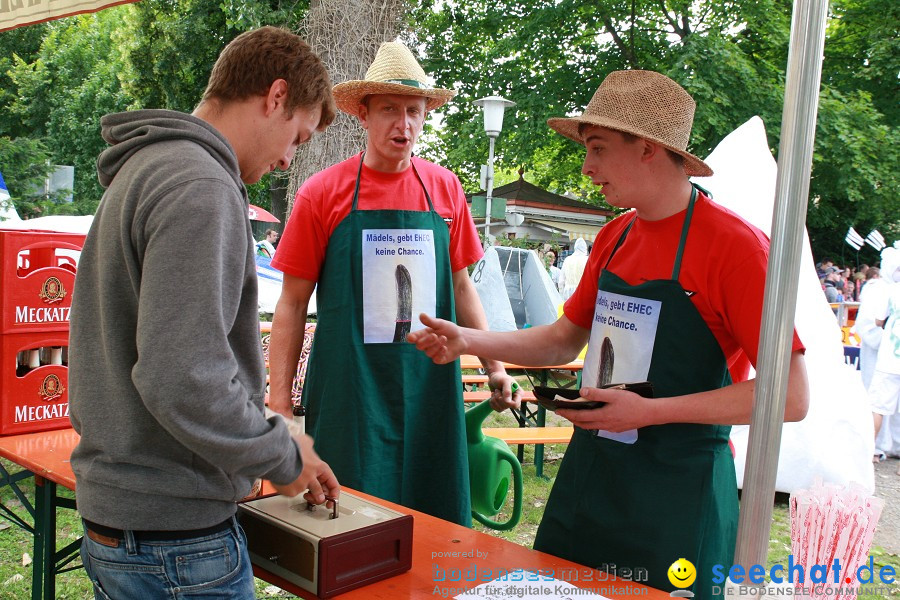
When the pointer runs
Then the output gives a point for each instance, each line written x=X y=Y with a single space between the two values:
x=724 y=264
x=327 y=197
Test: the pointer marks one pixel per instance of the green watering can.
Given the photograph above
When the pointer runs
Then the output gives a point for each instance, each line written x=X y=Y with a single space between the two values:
x=490 y=464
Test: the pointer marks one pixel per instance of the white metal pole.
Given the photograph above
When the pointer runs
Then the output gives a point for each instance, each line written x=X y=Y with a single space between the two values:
x=798 y=126
x=489 y=189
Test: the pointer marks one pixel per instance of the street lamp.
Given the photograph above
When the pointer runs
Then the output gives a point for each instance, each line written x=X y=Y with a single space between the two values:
x=493 y=107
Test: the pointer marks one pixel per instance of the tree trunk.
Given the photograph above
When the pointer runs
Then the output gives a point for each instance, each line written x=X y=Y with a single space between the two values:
x=346 y=35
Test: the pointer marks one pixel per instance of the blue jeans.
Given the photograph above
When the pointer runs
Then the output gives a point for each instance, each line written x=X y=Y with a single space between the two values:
x=214 y=567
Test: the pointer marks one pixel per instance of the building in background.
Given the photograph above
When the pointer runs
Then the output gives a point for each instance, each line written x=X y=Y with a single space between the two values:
x=534 y=212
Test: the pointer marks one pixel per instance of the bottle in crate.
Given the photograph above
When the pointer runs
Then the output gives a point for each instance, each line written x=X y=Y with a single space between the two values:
x=34 y=394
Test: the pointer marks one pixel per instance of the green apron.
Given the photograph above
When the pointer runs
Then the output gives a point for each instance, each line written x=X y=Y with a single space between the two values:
x=667 y=491
x=386 y=419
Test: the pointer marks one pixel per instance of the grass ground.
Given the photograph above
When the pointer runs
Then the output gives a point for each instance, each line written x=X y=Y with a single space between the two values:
x=15 y=576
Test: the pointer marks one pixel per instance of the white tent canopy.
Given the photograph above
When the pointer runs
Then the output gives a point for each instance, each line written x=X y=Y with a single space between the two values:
x=834 y=441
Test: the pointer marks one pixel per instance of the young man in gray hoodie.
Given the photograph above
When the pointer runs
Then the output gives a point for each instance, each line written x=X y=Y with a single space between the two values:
x=166 y=369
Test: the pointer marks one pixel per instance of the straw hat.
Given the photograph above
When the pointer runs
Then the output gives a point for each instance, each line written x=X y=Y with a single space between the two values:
x=643 y=103
x=394 y=71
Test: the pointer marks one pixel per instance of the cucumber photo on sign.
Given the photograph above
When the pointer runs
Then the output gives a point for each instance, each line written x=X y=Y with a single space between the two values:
x=404 y=304
x=607 y=358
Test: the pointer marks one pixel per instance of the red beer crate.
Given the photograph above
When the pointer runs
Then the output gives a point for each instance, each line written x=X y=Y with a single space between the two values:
x=35 y=399
x=38 y=274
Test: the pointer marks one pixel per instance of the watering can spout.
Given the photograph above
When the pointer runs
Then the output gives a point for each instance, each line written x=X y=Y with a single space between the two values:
x=491 y=465
x=475 y=416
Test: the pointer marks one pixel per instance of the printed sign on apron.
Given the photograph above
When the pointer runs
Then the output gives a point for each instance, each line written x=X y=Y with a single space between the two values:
x=398 y=282
x=623 y=325
x=386 y=419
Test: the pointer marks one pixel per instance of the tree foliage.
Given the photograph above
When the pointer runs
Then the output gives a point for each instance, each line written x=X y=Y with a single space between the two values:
x=550 y=58
x=26 y=166
x=64 y=90
x=57 y=79
x=63 y=76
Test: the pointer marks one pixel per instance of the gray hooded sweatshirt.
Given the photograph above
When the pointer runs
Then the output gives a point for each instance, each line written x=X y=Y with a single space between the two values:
x=166 y=371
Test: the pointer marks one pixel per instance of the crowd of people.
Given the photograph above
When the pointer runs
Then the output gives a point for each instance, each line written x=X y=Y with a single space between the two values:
x=843 y=284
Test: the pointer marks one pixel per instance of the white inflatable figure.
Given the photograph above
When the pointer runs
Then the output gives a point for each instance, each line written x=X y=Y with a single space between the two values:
x=835 y=440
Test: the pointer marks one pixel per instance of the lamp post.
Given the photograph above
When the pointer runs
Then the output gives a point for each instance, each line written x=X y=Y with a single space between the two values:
x=493 y=107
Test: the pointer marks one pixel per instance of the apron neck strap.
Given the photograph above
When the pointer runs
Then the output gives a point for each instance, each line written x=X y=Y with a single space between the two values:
x=359 y=177
x=620 y=241
x=676 y=269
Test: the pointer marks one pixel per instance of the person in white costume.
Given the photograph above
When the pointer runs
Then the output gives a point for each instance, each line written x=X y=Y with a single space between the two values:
x=572 y=269
x=873 y=301
x=884 y=389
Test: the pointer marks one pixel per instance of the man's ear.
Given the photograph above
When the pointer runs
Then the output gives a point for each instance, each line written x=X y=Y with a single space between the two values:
x=650 y=149
x=363 y=113
x=277 y=96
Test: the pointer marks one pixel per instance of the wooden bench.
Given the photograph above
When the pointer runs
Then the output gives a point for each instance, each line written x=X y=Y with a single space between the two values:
x=531 y=435
x=474 y=379
x=482 y=395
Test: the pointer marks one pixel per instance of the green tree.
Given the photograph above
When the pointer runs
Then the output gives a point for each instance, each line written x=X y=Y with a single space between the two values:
x=26 y=166
x=170 y=46
x=509 y=47
x=63 y=92
x=20 y=44
x=854 y=177
x=863 y=52
x=65 y=75
x=731 y=57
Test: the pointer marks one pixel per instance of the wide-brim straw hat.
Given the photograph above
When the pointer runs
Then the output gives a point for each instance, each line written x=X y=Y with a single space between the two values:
x=643 y=103
x=394 y=71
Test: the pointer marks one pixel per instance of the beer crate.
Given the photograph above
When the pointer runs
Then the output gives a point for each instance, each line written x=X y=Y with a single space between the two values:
x=38 y=275
x=37 y=400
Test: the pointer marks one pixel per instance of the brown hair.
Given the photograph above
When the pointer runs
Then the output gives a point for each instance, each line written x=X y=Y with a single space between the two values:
x=252 y=61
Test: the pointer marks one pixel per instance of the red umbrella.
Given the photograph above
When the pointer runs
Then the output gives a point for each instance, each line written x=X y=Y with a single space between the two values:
x=261 y=214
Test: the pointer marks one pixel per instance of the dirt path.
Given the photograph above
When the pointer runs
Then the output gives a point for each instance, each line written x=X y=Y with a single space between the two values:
x=887 y=487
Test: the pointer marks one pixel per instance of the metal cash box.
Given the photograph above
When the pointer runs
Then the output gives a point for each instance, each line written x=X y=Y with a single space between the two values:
x=325 y=555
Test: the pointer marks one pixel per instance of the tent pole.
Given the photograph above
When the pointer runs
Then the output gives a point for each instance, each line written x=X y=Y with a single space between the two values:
x=798 y=126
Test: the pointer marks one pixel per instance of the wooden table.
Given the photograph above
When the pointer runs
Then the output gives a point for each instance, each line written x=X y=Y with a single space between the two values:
x=538 y=415
x=45 y=456
x=468 y=361
x=444 y=554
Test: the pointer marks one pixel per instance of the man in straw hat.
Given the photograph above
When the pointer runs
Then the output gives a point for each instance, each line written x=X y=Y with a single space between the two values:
x=166 y=370
x=384 y=235
x=672 y=294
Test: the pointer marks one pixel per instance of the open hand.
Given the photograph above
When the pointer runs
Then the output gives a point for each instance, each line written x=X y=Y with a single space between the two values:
x=441 y=340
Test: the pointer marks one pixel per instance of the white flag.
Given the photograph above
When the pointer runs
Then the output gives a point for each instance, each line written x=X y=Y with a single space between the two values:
x=876 y=240
x=854 y=239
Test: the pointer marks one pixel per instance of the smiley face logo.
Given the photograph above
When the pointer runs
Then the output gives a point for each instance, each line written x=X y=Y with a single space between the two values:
x=682 y=573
